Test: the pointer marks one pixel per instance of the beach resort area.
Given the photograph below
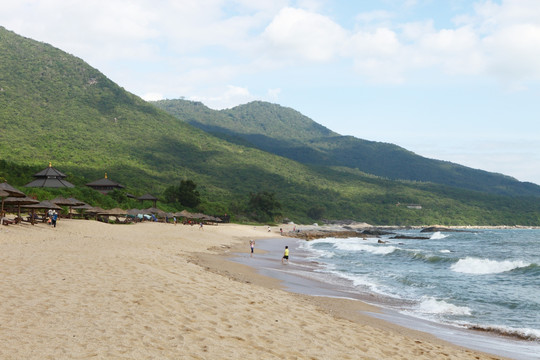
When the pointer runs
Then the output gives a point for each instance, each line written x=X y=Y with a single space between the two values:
x=92 y=290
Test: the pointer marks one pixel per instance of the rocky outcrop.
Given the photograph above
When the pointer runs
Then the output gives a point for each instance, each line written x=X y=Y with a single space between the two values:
x=410 y=237
x=319 y=234
x=441 y=229
x=376 y=232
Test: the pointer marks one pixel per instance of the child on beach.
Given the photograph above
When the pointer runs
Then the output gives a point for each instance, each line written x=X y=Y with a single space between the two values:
x=285 y=255
x=252 y=246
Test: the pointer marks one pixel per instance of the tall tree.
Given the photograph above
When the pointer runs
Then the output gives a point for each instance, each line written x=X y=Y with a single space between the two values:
x=263 y=206
x=186 y=194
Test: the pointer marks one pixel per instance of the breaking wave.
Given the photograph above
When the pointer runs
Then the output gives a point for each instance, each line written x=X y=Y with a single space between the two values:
x=477 y=266
x=430 y=305
x=438 y=235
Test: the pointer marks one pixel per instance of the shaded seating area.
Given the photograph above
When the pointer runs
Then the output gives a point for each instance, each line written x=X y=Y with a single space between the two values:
x=148 y=197
x=43 y=205
x=69 y=202
x=192 y=218
x=18 y=202
x=7 y=191
x=38 y=211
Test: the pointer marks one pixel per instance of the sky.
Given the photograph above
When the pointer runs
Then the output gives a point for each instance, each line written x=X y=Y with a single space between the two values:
x=453 y=80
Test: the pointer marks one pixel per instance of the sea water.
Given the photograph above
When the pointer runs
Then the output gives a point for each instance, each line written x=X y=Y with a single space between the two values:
x=485 y=280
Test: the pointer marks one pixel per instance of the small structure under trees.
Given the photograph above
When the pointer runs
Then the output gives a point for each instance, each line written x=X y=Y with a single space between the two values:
x=105 y=185
x=148 y=197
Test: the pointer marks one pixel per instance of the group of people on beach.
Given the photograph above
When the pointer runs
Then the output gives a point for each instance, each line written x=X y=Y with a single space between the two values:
x=52 y=216
x=284 y=259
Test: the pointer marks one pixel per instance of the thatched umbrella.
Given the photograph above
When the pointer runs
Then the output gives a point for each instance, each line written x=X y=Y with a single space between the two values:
x=148 y=197
x=8 y=190
x=84 y=206
x=20 y=201
x=155 y=211
x=114 y=212
x=67 y=202
x=45 y=204
x=11 y=190
x=184 y=213
x=3 y=194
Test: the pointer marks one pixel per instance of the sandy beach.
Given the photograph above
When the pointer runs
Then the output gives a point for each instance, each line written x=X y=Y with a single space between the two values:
x=89 y=290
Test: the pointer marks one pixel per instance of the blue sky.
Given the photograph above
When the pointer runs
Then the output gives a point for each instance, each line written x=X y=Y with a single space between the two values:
x=452 y=80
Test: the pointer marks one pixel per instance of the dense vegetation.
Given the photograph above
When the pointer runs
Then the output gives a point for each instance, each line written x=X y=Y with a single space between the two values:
x=286 y=132
x=54 y=107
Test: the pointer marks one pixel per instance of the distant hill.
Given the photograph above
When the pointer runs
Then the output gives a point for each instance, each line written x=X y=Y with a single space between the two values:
x=55 y=107
x=286 y=132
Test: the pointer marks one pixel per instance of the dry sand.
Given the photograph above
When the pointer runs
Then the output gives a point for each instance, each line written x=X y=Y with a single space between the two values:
x=88 y=290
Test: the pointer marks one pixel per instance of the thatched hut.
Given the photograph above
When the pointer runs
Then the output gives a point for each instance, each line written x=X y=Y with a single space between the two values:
x=148 y=197
x=105 y=185
x=50 y=178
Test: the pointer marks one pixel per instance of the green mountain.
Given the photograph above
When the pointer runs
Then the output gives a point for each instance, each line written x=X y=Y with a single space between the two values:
x=55 y=107
x=286 y=132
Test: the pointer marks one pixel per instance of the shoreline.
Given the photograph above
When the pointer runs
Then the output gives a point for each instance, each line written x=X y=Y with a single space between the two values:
x=374 y=306
x=335 y=303
x=91 y=290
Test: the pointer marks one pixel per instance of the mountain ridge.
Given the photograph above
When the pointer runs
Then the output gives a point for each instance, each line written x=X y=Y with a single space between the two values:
x=56 y=108
x=282 y=131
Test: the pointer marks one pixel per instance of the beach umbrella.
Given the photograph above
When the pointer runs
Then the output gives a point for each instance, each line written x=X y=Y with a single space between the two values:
x=183 y=213
x=134 y=212
x=155 y=211
x=45 y=204
x=114 y=212
x=67 y=202
x=20 y=201
x=8 y=191
x=11 y=190
x=84 y=206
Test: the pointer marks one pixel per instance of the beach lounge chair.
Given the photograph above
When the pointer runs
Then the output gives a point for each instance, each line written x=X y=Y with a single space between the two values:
x=6 y=221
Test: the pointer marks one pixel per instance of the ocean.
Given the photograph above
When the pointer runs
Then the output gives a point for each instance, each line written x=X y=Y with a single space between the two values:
x=485 y=280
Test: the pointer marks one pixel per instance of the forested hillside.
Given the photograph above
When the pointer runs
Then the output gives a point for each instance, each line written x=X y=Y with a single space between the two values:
x=55 y=107
x=286 y=132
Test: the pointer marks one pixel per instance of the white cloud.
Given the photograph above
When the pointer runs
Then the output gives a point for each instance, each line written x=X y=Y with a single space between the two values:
x=296 y=34
x=514 y=53
x=226 y=98
x=273 y=94
x=377 y=16
x=153 y=96
x=231 y=38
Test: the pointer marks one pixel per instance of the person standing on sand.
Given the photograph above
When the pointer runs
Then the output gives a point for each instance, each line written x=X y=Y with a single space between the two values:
x=252 y=246
x=285 y=255
x=54 y=218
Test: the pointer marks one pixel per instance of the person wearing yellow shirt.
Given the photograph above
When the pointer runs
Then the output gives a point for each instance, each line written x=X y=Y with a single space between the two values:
x=285 y=255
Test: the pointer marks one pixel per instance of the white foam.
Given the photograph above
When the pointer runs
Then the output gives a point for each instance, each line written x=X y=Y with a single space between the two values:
x=430 y=305
x=445 y=251
x=438 y=235
x=355 y=245
x=477 y=266
x=520 y=333
x=361 y=281
x=378 y=250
